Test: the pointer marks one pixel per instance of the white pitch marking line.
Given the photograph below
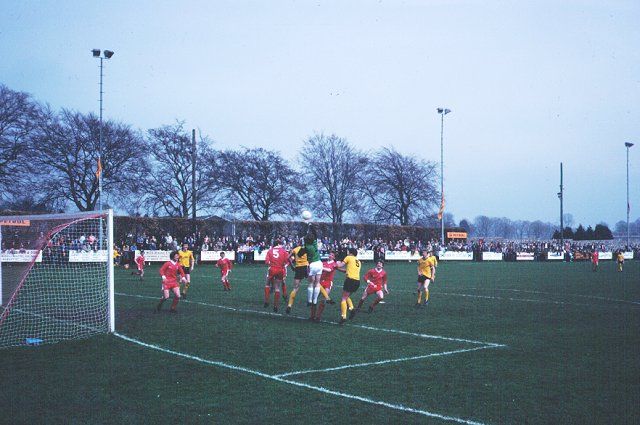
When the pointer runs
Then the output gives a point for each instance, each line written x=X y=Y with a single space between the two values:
x=517 y=299
x=404 y=359
x=300 y=384
x=489 y=297
x=267 y=313
x=593 y=297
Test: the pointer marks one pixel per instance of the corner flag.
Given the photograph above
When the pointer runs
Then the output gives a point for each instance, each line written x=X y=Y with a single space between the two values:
x=99 y=170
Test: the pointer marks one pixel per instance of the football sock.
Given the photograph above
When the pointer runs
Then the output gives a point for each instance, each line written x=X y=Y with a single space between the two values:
x=376 y=302
x=276 y=299
x=284 y=289
x=292 y=297
x=426 y=295
x=186 y=286
x=360 y=303
x=343 y=309
x=228 y=284
x=174 y=304
x=309 y=294
x=350 y=303
x=267 y=294
x=162 y=300
x=316 y=292
x=324 y=292
x=313 y=311
x=419 y=297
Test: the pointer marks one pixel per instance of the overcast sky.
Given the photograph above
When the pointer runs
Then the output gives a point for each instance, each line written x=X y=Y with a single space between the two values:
x=530 y=83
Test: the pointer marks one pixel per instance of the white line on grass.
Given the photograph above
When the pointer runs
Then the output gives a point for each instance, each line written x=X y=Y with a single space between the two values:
x=489 y=297
x=591 y=297
x=517 y=299
x=404 y=359
x=267 y=313
x=300 y=384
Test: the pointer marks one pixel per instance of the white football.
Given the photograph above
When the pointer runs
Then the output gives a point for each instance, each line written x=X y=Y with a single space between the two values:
x=306 y=215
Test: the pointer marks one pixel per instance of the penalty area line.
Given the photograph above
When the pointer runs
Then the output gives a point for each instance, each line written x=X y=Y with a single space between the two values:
x=381 y=362
x=277 y=378
x=371 y=328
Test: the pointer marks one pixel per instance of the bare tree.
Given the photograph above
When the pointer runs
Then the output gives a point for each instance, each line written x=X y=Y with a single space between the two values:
x=63 y=159
x=521 y=228
x=503 y=227
x=18 y=118
x=169 y=185
x=482 y=226
x=260 y=183
x=331 y=167
x=399 y=188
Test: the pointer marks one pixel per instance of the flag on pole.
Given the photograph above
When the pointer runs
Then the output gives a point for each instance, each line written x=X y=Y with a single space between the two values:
x=99 y=170
x=441 y=208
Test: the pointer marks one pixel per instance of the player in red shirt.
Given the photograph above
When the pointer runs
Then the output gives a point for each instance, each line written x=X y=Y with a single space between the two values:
x=329 y=268
x=277 y=259
x=169 y=272
x=376 y=279
x=595 y=257
x=225 y=265
x=140 y=263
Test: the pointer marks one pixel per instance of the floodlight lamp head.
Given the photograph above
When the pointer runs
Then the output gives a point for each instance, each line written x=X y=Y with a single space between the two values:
x=628 y=144
x=443 y=111
x=96 y=53
x=108 y=54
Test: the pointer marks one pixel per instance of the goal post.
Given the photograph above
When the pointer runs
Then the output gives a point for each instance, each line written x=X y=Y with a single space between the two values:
x=56 y=277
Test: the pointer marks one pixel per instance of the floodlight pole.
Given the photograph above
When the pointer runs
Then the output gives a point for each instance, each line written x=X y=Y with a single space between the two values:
x=442 y=112
x=100 y=150
x=106 y=54
x=628 y=145
x=561 y=196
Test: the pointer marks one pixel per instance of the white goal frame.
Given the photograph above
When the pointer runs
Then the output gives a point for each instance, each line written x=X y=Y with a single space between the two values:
x=13 y=220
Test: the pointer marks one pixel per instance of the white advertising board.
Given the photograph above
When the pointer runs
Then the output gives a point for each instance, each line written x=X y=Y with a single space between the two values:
x=365 y=255
x=231 y=255
x=628 y=255
x=21 y=256
x=524 y=256
x=401 y=255
x=555 y=256
x=605 y=255
x=259 y=256
x=456 y=256
x=88 y=256
x=155 y=256
x=491 y=256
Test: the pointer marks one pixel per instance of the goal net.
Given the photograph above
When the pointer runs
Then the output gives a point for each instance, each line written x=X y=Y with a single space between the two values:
x=56 y=280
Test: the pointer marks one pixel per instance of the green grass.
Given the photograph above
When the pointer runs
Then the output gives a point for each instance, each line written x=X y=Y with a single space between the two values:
x=571 y=341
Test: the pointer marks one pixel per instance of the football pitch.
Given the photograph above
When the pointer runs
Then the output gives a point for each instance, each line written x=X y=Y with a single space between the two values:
x=498 y=343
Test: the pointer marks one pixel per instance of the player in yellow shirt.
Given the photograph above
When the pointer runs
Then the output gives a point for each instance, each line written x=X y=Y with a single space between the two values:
x=426 y=275
x=301 y=268
x=352 y=266
x=187 y=262
x=620 y=260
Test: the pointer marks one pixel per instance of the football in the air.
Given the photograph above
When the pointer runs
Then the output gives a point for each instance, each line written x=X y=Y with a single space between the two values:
x=306 y=215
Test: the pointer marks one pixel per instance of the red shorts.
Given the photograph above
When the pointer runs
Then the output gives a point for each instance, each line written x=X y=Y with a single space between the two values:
x=326 y=284
x=372 y=289
x=224 y=272
x=167 y=285
x=140 y=267
x=277 y=273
